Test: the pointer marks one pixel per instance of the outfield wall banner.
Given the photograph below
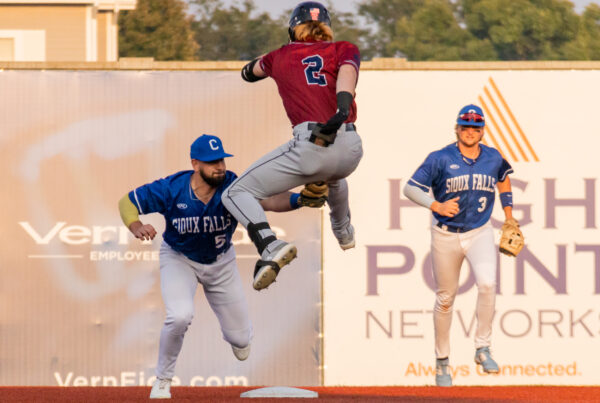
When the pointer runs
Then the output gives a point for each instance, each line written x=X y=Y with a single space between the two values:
x=80 y=300
x=378 y=297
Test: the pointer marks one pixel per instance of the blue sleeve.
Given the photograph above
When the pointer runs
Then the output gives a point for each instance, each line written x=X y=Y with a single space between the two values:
x=230 y=176
x=152 y=197
x=424 y=175
x=504 y=170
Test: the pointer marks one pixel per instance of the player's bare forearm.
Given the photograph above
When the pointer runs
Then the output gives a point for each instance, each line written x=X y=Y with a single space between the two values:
x=257 y=70
x=505 y=186
x=449 y=208
x=278 y=203
x=346 y=80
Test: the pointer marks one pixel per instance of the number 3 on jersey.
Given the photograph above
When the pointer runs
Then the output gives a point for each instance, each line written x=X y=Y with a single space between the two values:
x=314 y=64
x=483 y=201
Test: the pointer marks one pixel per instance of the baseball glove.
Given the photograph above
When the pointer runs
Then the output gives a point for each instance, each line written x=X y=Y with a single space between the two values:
x=314 y=194
x=511 y=239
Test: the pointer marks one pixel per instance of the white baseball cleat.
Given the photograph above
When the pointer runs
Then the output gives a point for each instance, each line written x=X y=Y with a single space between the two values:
x=241 y=353
x=484 y=358
x=442 y=373
x=161 y=389
x=346 y=238
x=268 y=266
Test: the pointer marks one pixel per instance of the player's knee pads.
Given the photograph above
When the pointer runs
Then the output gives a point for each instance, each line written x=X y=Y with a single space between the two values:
x=254 y=233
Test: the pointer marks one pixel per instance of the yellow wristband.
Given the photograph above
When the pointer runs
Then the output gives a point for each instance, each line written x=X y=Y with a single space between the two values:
x=128 y=210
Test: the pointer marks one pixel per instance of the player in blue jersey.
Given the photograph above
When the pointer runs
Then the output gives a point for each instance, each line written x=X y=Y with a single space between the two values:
x=463 y=177
x=196 y=249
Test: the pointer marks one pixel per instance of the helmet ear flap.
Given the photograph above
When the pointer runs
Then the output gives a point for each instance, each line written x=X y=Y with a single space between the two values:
x=291 y=34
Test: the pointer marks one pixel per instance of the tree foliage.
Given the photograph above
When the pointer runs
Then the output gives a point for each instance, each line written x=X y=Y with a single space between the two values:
x=482 y=29
x=385 y=16
x=233 y=33
x=157 y=28
x=238 y=33
x=586 y=45
x=422 y=30
x=434 y=33
x=416 y=29
x=523 y=29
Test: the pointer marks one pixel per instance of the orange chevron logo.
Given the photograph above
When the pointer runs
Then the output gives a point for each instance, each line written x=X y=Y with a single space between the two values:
x=501 y=127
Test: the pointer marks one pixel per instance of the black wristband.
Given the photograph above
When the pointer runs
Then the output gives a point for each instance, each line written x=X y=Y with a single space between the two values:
x=344 y=100
x=248 y=72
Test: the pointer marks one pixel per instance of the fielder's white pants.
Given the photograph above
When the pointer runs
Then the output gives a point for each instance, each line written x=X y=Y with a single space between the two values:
x=293 y=164
x=179 y=277
x=448 y=250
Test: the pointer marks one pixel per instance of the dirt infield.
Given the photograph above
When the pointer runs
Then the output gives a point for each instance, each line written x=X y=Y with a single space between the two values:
x=326 y=394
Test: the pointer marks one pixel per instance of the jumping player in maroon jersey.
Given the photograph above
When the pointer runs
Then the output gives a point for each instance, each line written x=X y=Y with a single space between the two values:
x=316 y=78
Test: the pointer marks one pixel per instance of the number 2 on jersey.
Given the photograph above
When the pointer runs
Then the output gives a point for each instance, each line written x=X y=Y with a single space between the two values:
x=314 y=64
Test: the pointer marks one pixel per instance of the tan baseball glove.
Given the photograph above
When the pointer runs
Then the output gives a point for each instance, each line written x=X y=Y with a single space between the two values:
x=314 y=194
x=511 y=239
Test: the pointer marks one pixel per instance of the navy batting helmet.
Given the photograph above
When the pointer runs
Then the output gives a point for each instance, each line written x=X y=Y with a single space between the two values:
x=308 y=11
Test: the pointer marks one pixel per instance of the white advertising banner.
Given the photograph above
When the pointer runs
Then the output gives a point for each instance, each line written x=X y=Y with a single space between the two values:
x=80 y=300
x=378 y=297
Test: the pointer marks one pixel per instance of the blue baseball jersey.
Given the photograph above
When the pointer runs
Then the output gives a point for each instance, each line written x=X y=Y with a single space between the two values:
x=450 y=174
x=200 y=231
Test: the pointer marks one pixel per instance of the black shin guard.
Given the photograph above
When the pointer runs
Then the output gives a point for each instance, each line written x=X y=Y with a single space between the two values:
x=254 y=233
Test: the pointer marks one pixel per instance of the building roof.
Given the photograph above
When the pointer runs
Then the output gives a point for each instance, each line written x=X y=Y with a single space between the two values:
x=101 y=4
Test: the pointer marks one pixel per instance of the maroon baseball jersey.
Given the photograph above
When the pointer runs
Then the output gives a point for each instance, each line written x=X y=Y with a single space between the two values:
x=306 y=75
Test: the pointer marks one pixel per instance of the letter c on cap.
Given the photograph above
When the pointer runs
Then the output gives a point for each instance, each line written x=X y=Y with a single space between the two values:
x=213 y=144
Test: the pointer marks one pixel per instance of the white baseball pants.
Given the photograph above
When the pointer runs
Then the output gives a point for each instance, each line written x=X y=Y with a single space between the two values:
x=293 y=164
x=448 y=251
x=179 y=277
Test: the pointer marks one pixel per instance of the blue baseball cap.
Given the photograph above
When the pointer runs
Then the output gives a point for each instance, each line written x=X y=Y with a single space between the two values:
x=471 y=115
x=208 y=148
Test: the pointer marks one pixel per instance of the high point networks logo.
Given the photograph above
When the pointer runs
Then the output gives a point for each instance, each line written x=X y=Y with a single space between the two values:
x=502 y=128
